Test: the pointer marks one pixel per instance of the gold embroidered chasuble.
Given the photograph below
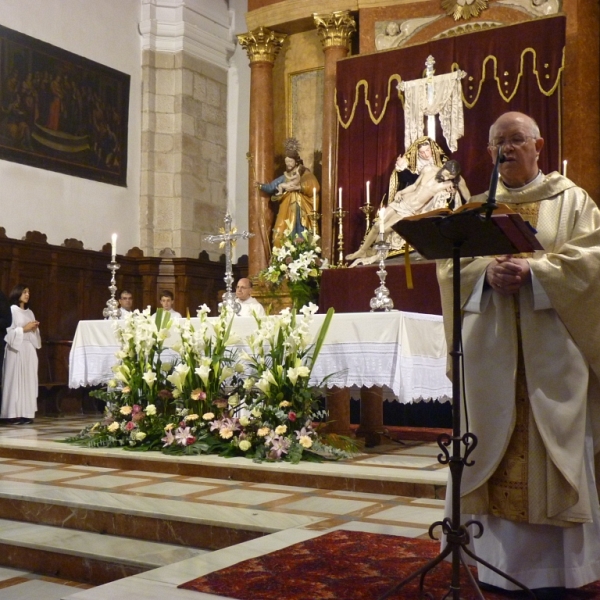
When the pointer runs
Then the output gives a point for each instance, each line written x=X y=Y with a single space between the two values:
x=527 y=369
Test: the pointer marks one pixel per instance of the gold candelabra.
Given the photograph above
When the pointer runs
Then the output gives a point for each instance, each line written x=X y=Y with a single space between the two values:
x=368 y=209
x=314 y=217
x=339 y=214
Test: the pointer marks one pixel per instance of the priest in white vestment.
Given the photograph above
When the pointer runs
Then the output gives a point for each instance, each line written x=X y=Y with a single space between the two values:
x=531 y=331
x=249 y=306
x=20 y=388
x=125 y=303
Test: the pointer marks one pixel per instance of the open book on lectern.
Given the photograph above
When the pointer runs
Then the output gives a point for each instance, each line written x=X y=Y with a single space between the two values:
x=434 y=234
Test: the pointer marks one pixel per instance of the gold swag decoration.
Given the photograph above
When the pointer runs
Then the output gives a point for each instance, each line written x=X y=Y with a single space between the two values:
x=464 y=9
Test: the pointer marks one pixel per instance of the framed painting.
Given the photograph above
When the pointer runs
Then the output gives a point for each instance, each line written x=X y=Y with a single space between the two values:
x=305 y=114
x=62 y=112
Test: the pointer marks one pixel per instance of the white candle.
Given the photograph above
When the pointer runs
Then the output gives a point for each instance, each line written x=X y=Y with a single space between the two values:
x=368 y=193
x=314 y=199
x=381 y=225
x=114 y=245
x=340 y=200
x=565 y=168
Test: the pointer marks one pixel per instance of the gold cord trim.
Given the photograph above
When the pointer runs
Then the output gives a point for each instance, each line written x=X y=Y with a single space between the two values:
x=407 y=268
x=506 y=97
x=365 y=84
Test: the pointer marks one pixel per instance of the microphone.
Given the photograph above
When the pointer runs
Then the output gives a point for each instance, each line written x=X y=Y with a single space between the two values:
x=491 y=205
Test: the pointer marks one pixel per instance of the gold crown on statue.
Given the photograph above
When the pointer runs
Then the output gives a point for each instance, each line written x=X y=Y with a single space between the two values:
x=292 y=148
x=412 y=154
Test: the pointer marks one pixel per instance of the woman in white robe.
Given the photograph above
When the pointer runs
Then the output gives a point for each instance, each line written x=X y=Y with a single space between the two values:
x=20 y=390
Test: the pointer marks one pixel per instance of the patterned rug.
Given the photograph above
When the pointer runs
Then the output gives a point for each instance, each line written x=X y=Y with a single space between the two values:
x=344 y=565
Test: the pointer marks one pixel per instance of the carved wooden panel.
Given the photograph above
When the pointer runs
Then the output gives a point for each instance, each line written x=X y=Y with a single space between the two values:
x=69 y=284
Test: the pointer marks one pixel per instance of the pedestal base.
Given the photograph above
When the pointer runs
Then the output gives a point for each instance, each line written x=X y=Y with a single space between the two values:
x=338 y=406
x=371 y=416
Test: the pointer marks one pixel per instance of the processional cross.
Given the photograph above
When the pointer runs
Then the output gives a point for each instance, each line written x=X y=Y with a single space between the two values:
x=228 y=239
x=430 y=96
x=429 y=73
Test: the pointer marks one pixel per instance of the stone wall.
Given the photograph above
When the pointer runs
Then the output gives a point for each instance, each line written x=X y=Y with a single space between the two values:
x=184 y=153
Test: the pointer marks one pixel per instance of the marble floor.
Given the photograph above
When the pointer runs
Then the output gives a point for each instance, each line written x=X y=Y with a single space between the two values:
x=239 y=496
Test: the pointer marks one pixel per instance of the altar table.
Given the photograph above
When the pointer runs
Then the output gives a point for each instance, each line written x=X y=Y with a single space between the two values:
x=405 y=353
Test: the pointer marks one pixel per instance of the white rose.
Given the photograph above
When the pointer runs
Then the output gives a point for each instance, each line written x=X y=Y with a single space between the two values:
x=245 y=445
x=151 y=410
x=139 y=436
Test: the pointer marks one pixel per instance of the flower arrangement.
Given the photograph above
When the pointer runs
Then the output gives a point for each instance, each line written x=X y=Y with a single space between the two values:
x=213 y=397
x=298 y=263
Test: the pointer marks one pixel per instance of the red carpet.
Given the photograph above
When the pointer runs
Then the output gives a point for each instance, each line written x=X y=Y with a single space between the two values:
x=343 y=565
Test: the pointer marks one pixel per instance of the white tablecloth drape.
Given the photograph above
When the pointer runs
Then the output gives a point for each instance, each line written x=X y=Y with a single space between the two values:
x=405 y=353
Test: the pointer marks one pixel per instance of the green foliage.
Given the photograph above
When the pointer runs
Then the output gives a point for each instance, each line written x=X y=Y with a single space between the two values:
x=297 y=261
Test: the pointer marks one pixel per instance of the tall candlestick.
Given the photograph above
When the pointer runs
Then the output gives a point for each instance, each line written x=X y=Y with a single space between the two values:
x=114 y=246
x=340 y=199
x=381 y=225
x=564 y=168
x=314 y=199
x=368 y=193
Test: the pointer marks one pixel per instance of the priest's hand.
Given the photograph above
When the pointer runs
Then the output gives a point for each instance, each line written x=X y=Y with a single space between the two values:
x=506 y=274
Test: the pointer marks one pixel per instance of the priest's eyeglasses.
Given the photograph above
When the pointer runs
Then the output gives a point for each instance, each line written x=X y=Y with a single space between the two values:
x=515 y=141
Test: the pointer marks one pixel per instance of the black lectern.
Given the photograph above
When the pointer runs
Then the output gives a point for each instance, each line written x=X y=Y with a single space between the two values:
x=471 y=231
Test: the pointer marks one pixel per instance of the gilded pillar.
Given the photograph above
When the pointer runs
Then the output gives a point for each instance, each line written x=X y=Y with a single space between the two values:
x=262 y=46
x=335 y=30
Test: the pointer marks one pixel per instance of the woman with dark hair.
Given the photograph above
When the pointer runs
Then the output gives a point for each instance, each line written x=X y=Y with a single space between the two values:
x=20 y=389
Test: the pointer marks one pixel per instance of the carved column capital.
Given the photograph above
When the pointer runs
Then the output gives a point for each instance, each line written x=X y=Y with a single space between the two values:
x=336 y=28
x=262 y=44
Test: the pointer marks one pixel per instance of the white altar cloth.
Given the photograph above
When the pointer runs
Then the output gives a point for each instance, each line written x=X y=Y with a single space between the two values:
x=405 y=353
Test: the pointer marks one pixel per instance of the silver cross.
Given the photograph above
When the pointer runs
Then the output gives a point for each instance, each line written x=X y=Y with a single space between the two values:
x=229 y=238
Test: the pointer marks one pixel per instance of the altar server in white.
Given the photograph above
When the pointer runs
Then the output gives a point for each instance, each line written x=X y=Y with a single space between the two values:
x=20 y=390
x=166 y=301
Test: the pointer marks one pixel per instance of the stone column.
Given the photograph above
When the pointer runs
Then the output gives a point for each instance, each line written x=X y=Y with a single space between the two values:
x=262 y=46
x=335 y=30
x=186 y=51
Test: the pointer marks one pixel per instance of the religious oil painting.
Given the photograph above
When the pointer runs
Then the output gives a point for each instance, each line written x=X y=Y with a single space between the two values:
x=62 y=112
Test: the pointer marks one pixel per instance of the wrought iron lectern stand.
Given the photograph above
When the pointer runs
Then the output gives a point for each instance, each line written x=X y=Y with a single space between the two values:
x=469 y=233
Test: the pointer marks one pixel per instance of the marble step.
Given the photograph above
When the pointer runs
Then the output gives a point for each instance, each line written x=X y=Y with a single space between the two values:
x=367 y=473
x=171 y=520
x=83 y=556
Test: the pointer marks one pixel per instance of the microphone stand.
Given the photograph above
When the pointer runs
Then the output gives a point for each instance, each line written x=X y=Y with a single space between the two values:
x=490 y=205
